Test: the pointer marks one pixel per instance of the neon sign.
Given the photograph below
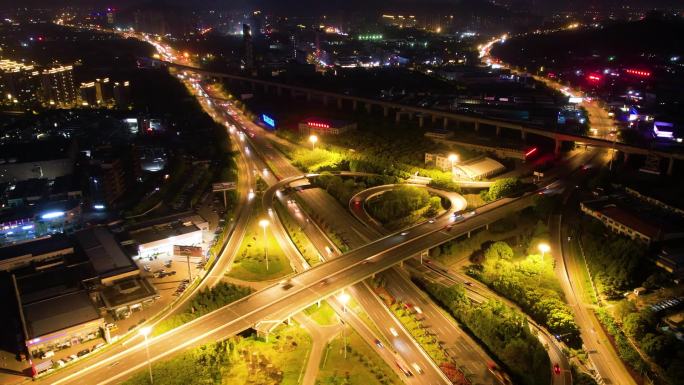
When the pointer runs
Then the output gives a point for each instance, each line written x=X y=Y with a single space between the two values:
x=269 y=121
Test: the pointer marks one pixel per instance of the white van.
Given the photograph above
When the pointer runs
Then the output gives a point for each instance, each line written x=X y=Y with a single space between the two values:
x=47 y=355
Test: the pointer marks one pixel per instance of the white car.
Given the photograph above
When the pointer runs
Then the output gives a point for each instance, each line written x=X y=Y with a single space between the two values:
x=394 y=332
x=417 y=368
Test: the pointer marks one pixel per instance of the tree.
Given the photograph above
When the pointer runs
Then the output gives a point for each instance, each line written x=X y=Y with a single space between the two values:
x=499 y=250
x=501 y=188
x=634 y=326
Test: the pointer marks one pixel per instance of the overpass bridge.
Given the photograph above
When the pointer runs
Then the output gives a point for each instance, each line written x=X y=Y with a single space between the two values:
x=421 y=113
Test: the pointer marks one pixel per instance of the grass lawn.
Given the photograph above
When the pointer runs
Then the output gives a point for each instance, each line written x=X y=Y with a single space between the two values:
x=250 y=264
x=588 y=294
x=300 y=240
x=474 y=201
x=361 y=367
x=323 y=315
x=279 y=361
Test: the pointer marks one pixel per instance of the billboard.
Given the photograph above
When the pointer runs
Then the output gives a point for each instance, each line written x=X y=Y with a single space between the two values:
x=187 y=251
x=269 y=121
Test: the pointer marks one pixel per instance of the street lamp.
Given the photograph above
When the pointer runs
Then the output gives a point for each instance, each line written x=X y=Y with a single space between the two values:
x=145 y=331
x=344 y=299
x=313 y=139
x=264 y=224
x=544 y=248
x=453 y=158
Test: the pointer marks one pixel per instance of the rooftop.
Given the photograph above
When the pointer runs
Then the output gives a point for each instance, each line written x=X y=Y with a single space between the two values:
x=645 y=218
x=159 y=232
x=104 y=252
x=37 y=247
x=41 y=150
x=58 y=313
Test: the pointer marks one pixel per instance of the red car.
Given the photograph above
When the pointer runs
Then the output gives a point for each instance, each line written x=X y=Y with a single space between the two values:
x=556 y=368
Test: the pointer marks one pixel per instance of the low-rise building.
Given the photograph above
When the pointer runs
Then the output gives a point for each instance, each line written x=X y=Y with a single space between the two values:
x=671 y=259
x=322 y=126
x=158 y=240
x=634 y=219
x=478 y=169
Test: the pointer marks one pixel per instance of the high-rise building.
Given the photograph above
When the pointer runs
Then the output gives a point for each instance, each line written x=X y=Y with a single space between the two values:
x=19 y=84
x=103 y=91
x=257 y=23
x=88 y=94
x=58 y=86
x=122 y=94
x=248 y=48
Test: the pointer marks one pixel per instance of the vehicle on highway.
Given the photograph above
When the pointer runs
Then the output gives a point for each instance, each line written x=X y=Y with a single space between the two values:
x=556 y=368
x=468 y=283
x=431 y=221
x=418 y=310
x=378 y=343
x=394 y=332
x=404 y=233
x=83 y=352
x=286 y=285
x=417 y=368
x=404 y=370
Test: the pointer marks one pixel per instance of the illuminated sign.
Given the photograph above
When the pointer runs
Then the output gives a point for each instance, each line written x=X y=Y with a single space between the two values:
x=530 y=152
x=269 y=121
x=638 y=72
x=594 y=78
x=53 y=215
x=318 y=125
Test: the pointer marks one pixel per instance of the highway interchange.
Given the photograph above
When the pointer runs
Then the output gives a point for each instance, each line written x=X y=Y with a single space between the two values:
x=372 y=254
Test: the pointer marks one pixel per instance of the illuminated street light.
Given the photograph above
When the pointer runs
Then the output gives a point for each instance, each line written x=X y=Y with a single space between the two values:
x=313 y=139
x=544 y=248
x=453 y=158
x=145 y=331
x=344 y=299
x=264 y=224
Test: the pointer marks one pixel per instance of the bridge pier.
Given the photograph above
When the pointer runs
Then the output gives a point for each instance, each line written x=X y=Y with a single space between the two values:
x=339 y=103
x=477 y=126
x=445 y=123
x=325 y=100
x=279 y=91
x=397 y=116
x=355 y=105
x=369 y=107
x=434 y=119
x=468 y=234
x=626 y=156
x=523 y=134
x=253 y=86
x=670 y=165
x=385 y=111
x=498 y=130
x=421 y=120
x=557 y=147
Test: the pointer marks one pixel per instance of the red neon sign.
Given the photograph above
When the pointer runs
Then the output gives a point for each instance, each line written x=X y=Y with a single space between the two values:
x=594 y=78
x=530 y=152
x=638 y=72
x=318 y=125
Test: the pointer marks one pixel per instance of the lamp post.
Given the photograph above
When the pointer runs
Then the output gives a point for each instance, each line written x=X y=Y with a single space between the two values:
x=344 y=299
x=453 y=158
x=145 y=331
x=544 y=248
x=313 y=139
x=264 y=224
